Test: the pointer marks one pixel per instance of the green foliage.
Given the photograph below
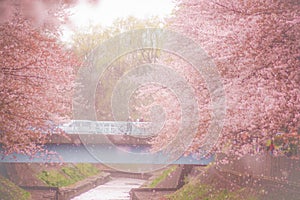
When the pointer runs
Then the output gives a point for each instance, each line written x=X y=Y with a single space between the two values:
x=278 y=141
x=162 y=177
x=54 y=178
x=293 y=149
x=67 y=175
x=10 y=191
x=196 y=190
x=190 y=192
x=87 y=169
x=286 y=144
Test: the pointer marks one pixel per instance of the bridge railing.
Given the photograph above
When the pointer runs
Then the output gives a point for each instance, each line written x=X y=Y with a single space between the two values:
x=108 y=127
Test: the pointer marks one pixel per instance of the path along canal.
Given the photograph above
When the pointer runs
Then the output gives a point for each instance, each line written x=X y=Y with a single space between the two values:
x=116 y=189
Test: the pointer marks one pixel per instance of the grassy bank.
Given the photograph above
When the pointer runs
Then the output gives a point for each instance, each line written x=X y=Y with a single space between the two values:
x=67 y=175
x=162 y=176
x=194 y=191
x=10 y=191
x=207 y=185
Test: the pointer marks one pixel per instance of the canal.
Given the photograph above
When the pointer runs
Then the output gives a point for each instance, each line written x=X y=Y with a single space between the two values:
x=116 y=189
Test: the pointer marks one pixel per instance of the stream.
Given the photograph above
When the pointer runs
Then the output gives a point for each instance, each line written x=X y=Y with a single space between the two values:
x=116 y=189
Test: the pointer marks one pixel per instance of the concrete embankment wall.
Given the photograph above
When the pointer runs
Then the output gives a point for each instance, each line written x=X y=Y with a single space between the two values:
x=119 y=174
x=268 y=188
x=266 y=166
x=274 y=177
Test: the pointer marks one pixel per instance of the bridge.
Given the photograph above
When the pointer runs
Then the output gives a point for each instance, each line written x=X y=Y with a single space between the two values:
x=105 y=142
x=141 y=129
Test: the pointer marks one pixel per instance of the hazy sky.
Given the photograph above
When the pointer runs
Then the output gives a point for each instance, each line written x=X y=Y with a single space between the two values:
x=108 y=10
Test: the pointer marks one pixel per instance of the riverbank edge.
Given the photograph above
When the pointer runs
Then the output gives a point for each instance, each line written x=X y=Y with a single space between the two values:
x=68 y=192
x=170 y=185
x=11 y=191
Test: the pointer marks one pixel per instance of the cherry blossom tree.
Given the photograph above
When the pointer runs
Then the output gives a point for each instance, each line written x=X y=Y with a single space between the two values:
x=40 y=12
x=168 y=103
x=36 y=81
x=256 y=48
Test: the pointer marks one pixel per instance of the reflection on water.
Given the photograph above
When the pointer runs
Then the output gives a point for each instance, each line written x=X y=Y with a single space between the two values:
x=116 y=189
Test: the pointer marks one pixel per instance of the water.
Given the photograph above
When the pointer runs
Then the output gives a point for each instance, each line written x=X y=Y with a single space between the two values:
x=105 y=153
x=116 y=189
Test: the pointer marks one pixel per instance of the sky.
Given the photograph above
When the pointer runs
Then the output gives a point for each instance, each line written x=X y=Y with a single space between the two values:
x=106 y=11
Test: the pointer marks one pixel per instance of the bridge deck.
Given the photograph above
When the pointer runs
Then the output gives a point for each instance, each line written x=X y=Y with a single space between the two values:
x=108 y=127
